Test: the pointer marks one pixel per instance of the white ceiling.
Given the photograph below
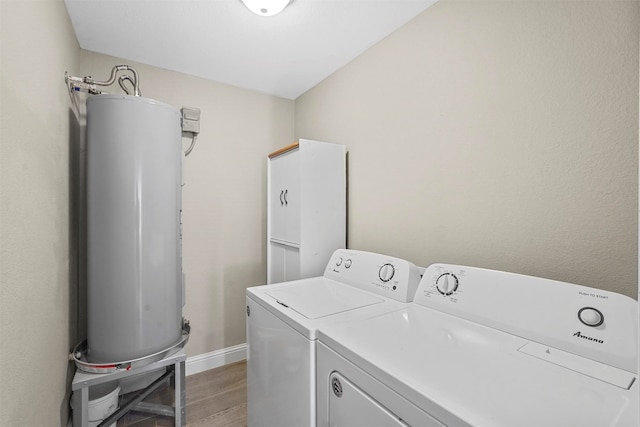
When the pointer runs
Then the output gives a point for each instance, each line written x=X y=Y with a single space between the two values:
x=221 y=40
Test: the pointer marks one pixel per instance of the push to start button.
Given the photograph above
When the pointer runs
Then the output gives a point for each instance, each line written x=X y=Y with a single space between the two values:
x=590 y=316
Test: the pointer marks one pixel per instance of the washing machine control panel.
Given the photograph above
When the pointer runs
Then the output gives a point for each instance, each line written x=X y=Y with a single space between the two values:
x=381 y=274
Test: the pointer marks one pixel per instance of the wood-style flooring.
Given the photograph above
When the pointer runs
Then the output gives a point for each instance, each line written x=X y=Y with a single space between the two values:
x=215 y=398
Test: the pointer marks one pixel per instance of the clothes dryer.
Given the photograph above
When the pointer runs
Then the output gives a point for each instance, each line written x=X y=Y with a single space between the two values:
x=485 y=348
x=283 y=320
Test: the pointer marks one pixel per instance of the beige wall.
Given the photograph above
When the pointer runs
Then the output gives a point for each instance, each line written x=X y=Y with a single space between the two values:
x=496 y=134
x=37 y=46
x=223 y=203
x=224 y=222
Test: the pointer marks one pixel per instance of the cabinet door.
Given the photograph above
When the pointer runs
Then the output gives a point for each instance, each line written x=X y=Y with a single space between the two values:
x=277 y=182
x=284 y=209
x=291 y=263
x=284 y=263
x=275 y=269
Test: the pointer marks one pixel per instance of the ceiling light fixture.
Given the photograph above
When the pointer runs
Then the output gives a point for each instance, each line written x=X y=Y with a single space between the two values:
x=266 y=7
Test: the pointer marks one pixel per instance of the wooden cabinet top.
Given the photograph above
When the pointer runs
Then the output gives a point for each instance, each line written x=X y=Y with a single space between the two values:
x=284 y=149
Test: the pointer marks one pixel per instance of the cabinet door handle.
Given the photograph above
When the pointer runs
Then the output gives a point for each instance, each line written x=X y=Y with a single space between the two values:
x=281 y=201
x=285 y=197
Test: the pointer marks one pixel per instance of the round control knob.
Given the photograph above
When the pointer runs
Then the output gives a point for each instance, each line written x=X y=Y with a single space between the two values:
x=348 y=263
x=590 y=316
x=338 y=261
x=386 y=272
x=447 y=283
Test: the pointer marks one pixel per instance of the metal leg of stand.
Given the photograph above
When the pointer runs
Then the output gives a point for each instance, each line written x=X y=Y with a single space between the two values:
x=80 y=405
x=180 y=394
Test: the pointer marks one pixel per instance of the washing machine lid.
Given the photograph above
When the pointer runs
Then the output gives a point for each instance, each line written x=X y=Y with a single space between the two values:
x=460 y=372
x=315 y=299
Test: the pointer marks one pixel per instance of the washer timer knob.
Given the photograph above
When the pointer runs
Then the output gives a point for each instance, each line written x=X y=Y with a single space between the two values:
x=447 y=283
x=590 y=316
x=386 y=272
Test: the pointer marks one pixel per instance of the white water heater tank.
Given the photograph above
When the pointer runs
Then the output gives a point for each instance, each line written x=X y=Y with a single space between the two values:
x=134 y=202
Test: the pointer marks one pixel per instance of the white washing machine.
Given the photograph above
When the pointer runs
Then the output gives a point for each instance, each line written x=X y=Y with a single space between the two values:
x=485 y=348
x=282 y=324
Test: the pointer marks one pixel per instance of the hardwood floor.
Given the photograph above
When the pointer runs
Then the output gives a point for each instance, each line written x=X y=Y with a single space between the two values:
x=215 y=398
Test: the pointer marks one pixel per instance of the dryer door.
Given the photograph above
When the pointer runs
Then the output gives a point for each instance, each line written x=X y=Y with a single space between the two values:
x=350 y=406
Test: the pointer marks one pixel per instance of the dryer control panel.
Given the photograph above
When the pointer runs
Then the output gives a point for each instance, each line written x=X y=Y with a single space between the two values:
x=384 y=275
x=588 y=322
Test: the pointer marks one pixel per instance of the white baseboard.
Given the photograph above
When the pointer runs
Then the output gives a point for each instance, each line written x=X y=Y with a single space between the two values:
x=215 y=359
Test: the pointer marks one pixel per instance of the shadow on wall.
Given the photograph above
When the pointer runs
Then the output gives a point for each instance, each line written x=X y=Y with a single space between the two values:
x=236 y=279
x=77 y=247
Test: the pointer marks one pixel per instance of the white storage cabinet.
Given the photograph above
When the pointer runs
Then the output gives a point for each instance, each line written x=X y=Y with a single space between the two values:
x=306 y=208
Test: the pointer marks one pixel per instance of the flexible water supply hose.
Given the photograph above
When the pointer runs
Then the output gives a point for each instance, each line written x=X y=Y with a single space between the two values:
x=112 y=78
x=123 y=79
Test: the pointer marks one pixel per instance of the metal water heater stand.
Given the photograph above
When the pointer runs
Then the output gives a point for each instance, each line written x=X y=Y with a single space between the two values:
x=174 y=367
